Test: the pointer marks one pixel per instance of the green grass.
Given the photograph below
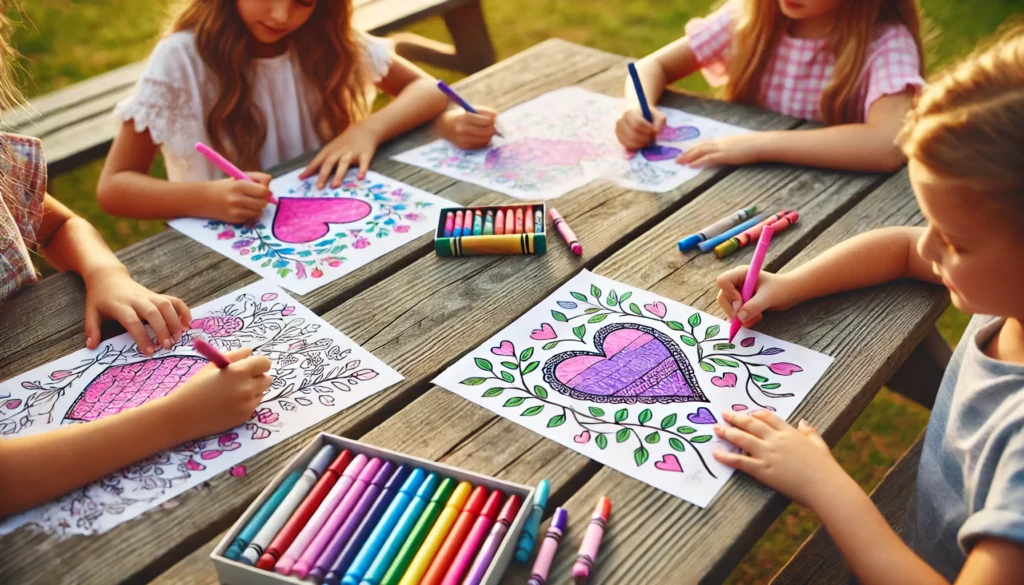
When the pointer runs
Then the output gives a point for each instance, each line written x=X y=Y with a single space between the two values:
x=65 y=41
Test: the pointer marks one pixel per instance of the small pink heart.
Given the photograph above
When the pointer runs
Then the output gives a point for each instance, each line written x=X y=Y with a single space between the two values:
x=669 y=463
x=583 y=437
x=544 y=333
x=657 y=308
x=726 y=381
x=739 y=407
x=506 y=349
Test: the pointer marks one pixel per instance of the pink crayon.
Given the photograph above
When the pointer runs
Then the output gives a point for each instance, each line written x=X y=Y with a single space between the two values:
x=546 y=554
x=565 y=231
x=591 y=542
x=750 y=282
x=449 y=224
x=528 y=221
x=499 y=223
x=467 y=227
x=510 y=221
x=519 y=220
x=490 y=547
x=209 y=352
x=464 y=558
x=457 y=230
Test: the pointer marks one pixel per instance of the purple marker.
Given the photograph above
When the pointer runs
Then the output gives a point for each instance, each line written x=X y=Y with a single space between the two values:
x=490 y=547
x=546 y=555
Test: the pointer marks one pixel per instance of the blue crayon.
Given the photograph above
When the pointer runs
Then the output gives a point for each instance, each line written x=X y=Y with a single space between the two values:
x=710 y=244
x=641 y=96
x=260 y=517
x=405 y=525
x=375 y=542
x=478 y=223
x=525 y=546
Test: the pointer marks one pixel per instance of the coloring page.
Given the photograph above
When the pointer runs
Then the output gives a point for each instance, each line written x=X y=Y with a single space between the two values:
x=312 y=237
x=564 y=139
x=633 y=380
x=318 y=372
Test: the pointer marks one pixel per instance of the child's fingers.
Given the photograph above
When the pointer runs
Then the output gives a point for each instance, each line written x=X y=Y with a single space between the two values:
x=255 y=366
x=326 y=165
x=260 y=177
x=771 y=419
x=740 y=438
x=487 y=112
x=729 y=283
x=364 y=164
x=184 y=313
x=746 y=464
x=479 y=121
x=148 y=311
x=170 y=315
x=93 y=320
x=640 y=126
x=129 y=319
x=314 y=165
x=339 y=171
x=254 y=191
x=811 y=433
x=659 y=121
x=753 y=425
x=237 y=355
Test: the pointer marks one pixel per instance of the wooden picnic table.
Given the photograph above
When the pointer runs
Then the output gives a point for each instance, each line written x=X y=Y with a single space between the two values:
x=420 y=313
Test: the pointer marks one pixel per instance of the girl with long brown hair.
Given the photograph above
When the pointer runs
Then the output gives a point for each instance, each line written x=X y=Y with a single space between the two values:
x=853 y=65
x=262 y=82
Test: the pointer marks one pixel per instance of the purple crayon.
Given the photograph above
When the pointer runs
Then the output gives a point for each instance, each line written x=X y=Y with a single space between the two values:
x=490 y=547
x=546 y=555
x=591 y=542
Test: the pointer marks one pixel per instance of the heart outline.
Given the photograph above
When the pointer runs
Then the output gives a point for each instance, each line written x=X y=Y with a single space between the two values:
x=727 y=380
x=285 y=231
x=669 y=462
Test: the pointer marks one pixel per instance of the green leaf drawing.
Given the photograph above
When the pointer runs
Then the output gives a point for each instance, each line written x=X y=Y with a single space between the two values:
x=712 y=331
x=556 y=421
x=694 y=320
x=579 y=296
x=540 y=392
x=675 y=325
x=771 y=386
x=550 y=345
x=530 y=367
x=677 y=444
x=688 y=340
x=595 y=292
x=597 y=318
x=591 y=310
x=483 y=364
x=558 y=316
x=622 y=435
x=510 y=365
x=579 y=332
x=491 y=393
x=625 y=296
x=514 y=402
x=621 y=415
x=653 y=437
x=634 y=309
x=724 y=346
x=668 y=421
x=474 y=381
x=645 y=416
x=701 y=439
x=596 y=412
x=612 y=298
x=757 y=378
x=640 y=456
x=684 y=430
x=703 y=365
x=526 y=354
x=602 y=441
x=725 y=363
x=533 y=410
x=507 y=377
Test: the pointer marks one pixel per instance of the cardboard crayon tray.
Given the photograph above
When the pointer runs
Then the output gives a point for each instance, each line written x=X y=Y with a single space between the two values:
x=236 y=573
x=531 y=243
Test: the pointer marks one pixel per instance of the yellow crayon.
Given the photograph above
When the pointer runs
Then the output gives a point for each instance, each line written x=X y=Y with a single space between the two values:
x=435 y=538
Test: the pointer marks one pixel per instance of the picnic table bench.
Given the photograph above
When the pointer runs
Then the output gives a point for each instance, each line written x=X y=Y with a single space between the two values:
x=76 y=126
x=420 y=313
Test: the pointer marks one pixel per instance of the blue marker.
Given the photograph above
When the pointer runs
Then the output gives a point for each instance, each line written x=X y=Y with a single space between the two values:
x=260 y=517
x=640 y=93
x=540 y=499
x=388 y=521
x=405 y=525
x=710 y=244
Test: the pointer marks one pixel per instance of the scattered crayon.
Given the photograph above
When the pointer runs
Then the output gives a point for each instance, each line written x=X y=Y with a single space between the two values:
x=260 y=517
x=499 y=223
x=489 y=223
x=419 y=532
x=510 y=221
x=435 y=538
x=566 y=232
x=446 y=554
x=753 y=231
x=449 y=224
x=519 y=220
x=741 y=241
x=716 y=228
x=710 y=244
x=490 y=547
x=457 y=230
x=591 y=542
x=397 y=537
x=546 y=554
x=540 y=499
x=464 y=558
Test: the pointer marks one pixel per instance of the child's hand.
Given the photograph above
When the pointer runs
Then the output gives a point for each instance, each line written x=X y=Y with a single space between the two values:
x=468 y=131
x=741 y=149
x=215 y=400
x=110 y=293
x=237 y=201
x=796 y=462
x=634 y=132
x=356 y=145
x=774 y=292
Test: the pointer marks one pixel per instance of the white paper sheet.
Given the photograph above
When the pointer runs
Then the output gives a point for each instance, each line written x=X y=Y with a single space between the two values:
x=318 y=372
x=564 y=139
x=633 y=380
x=313 y=237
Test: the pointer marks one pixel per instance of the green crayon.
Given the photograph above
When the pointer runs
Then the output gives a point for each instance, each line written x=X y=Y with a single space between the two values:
x=489 y=223
x=419 y=532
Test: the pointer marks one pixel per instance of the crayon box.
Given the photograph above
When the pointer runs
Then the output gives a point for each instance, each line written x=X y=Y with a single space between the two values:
x=497 y=240
x=236 y=573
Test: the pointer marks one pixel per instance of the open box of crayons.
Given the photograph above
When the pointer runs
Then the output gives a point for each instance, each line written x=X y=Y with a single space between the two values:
x=501 y=229
x=345 y=512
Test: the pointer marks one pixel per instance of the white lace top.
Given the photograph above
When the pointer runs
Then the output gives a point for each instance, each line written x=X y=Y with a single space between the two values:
x=176 y=91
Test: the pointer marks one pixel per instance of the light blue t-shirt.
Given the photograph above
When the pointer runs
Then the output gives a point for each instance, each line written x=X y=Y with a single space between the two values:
x=970 y=482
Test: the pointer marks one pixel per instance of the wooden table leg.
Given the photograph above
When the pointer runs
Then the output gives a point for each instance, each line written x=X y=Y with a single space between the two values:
x=472 y=50
x=919 y=377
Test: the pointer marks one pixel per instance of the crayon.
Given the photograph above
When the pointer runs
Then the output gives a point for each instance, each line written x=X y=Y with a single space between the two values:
x=510 y=221
x=490 y=547
x=716 y=228
x=710 y=243
x=375 y=542
x=260 y=517
x=499 y=223
x=209 y=352
x=733 y=244
x=750 y=282
x=750 y=234
x=449 y=224
x=489 y=223
x=395 y=540
x=529 y=220
x=320 y=461
x=346 y=543
x=475 y=538
x=640 y=95
x=467 y=226
x=319 y=518
x=453 y=542
x=538 y=221
x=478 y=223
x=546 y=554
x=435 y=538
x=519 y=220
x=320 y=543
x=225 y=165
x=566 y=232
x=419 y=532
x=457 y=230
x=298 y=519
x=591 y=542
x=525 y=546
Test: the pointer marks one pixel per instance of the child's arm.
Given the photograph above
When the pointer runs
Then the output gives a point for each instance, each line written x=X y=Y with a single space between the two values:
x=127 y=190
x=71 y=244
x=867 y=147
x=416 y=102
x=666 y=65
x=38 y=468
x=867 y=259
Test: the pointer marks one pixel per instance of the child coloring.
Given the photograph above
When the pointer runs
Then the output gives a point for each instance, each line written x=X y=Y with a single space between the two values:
x=262 y=82
x=963 y=141
x=854 y=65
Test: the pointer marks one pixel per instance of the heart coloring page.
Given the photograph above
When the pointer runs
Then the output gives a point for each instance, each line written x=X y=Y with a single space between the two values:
x=564 y=139
x=312 y=237
x=633 y=380
x=317 y=371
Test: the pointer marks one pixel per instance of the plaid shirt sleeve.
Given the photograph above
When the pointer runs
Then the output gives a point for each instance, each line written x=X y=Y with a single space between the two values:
x=711 y=37
x=894 y=65
x=22 y=190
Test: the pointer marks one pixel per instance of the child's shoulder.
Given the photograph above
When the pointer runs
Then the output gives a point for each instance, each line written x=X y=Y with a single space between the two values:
x=893 y=36
x=175 y=57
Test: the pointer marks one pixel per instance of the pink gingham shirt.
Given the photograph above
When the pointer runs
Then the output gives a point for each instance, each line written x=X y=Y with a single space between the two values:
x=798 y=72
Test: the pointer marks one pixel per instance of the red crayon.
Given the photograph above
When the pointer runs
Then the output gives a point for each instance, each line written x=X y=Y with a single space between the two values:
x=305 y=510
x=499 y=223
x=519 y=220
x=456 y=536
x=510 y=221
x=476 y=537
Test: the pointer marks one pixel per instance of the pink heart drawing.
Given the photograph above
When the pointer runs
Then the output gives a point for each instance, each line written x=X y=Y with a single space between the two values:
x=657 y=308
x=739 y=407
x=126 y=386
x=726 y=381
x=544 y=333
x=669 y=462
x=583 y=437
x=306 y=219
x=505 y=348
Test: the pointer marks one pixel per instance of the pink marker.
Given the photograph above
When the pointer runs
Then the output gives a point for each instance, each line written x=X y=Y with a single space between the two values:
x=546 y=554
x=225 y=165
x=316 y=522
x=209 y=352
x=591 y=542
x=499 y=223
x=750 y=282
x=464 y=558
x=482 y=562
x=565 y=231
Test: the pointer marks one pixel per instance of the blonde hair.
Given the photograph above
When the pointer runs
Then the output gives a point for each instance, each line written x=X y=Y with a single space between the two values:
x=10 y=94
x=968 y=126
x=761 y=24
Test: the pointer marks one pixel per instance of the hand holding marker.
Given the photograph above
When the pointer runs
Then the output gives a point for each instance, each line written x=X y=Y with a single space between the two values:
x=225 y=165
x=448 y=91
x=750 y=282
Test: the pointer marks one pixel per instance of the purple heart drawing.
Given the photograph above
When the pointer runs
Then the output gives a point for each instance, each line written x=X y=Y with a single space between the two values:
x=633 y=363
x=300 y=220
x=505 y=348
x=679 y=133
x=703 y=416
x=669 y=462
x=126 y=386
x=726 y=381
x=658 y=153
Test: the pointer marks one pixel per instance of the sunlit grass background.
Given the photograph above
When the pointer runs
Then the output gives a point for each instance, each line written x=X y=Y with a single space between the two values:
x=64 y=41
